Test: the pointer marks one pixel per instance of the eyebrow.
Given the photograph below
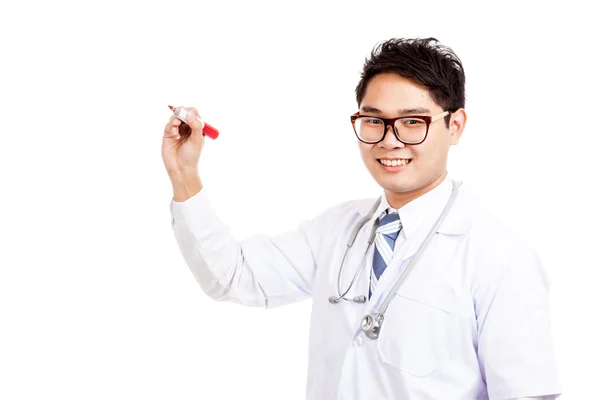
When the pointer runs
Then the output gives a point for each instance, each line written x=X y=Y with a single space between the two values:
x=418 y=110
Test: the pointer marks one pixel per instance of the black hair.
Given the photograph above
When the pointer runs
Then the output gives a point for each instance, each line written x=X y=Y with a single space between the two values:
x=425 y=62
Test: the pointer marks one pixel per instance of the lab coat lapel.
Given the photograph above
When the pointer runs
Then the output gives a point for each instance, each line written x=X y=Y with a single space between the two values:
x=457 y=222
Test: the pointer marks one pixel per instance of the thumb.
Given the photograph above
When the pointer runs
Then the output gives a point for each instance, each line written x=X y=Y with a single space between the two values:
x=193 y=120
x=196 y=125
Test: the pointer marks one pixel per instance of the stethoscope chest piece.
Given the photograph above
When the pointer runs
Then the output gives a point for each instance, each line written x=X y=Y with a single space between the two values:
x=371 y=325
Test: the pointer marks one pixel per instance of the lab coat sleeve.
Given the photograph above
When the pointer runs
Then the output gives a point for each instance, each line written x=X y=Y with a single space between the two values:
x=515 y=348
x=256 y=271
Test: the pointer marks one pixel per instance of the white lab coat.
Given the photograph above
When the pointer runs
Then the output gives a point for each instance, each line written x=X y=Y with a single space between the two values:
x=471 y=322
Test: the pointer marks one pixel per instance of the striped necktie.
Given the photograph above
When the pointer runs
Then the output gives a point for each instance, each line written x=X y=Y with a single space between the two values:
x=387 y=232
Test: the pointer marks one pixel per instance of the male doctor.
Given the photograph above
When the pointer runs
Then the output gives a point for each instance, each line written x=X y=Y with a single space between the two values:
x=470 y=320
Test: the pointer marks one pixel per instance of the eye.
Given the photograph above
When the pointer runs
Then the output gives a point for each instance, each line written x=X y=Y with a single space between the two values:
x=373 y=121
x=413 y=121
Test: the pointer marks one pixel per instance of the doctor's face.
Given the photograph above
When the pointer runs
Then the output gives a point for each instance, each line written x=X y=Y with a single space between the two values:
x=389 y=95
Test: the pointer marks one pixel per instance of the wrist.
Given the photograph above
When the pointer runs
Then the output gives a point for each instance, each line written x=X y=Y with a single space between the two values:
x=185 y=184
x=183 y=174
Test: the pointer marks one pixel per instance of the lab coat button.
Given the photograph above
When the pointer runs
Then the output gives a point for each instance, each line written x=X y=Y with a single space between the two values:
x=358 y=341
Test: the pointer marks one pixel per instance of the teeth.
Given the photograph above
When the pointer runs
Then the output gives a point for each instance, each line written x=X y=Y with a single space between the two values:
x=394 y=163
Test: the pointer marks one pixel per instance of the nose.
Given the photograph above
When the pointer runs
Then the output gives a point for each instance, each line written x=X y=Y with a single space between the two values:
x=390 y=141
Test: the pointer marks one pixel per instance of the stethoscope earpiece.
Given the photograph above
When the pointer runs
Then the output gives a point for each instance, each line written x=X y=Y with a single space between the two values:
x=360 y=299
x=356 y=299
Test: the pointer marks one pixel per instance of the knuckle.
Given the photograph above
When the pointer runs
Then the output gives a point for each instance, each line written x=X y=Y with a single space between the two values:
x=193 y=109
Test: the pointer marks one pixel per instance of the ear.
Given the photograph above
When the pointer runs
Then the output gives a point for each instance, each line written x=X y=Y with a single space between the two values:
x=457 y=125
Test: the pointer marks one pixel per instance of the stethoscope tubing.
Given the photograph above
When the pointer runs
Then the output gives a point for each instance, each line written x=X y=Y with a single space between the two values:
x=383 y=307
x=351 y=240
x=371 y=323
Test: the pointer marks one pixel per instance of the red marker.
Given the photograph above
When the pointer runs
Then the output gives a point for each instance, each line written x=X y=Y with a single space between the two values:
x=207 y=130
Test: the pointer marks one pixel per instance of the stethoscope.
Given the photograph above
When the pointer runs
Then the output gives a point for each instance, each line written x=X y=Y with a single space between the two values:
x=371 y=323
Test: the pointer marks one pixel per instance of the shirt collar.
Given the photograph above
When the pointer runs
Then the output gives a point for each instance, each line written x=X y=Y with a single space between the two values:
x=426 y=209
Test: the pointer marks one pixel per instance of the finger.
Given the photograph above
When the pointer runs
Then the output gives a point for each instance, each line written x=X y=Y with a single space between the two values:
x=171 y=131
x=195 y=124
x=195 y=112
x=193 y=109
x=171 y=135
x=174 y=122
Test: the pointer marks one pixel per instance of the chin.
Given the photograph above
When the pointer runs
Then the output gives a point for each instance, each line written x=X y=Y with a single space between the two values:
x=397 y=183
x=400 y=187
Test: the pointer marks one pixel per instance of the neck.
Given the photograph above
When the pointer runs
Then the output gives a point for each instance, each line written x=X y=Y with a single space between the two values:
x=398 y=199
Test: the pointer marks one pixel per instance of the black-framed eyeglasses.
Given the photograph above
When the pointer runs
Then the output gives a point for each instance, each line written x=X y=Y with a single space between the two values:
x=409 y=130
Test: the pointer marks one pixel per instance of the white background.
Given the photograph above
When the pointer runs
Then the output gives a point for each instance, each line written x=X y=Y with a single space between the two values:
x=96 y=301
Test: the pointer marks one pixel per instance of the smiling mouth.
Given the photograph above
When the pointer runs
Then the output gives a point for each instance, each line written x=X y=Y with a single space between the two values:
x=395 y=162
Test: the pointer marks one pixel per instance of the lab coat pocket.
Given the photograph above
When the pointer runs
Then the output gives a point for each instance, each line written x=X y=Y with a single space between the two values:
x=414 y=336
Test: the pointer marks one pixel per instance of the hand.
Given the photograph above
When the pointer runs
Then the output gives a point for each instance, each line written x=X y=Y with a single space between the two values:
x=182 y=143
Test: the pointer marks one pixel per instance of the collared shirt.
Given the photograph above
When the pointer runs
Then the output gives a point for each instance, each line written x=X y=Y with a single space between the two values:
x=471 y=322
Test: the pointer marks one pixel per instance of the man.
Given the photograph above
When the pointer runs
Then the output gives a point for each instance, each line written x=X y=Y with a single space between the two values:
x=470 y=318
